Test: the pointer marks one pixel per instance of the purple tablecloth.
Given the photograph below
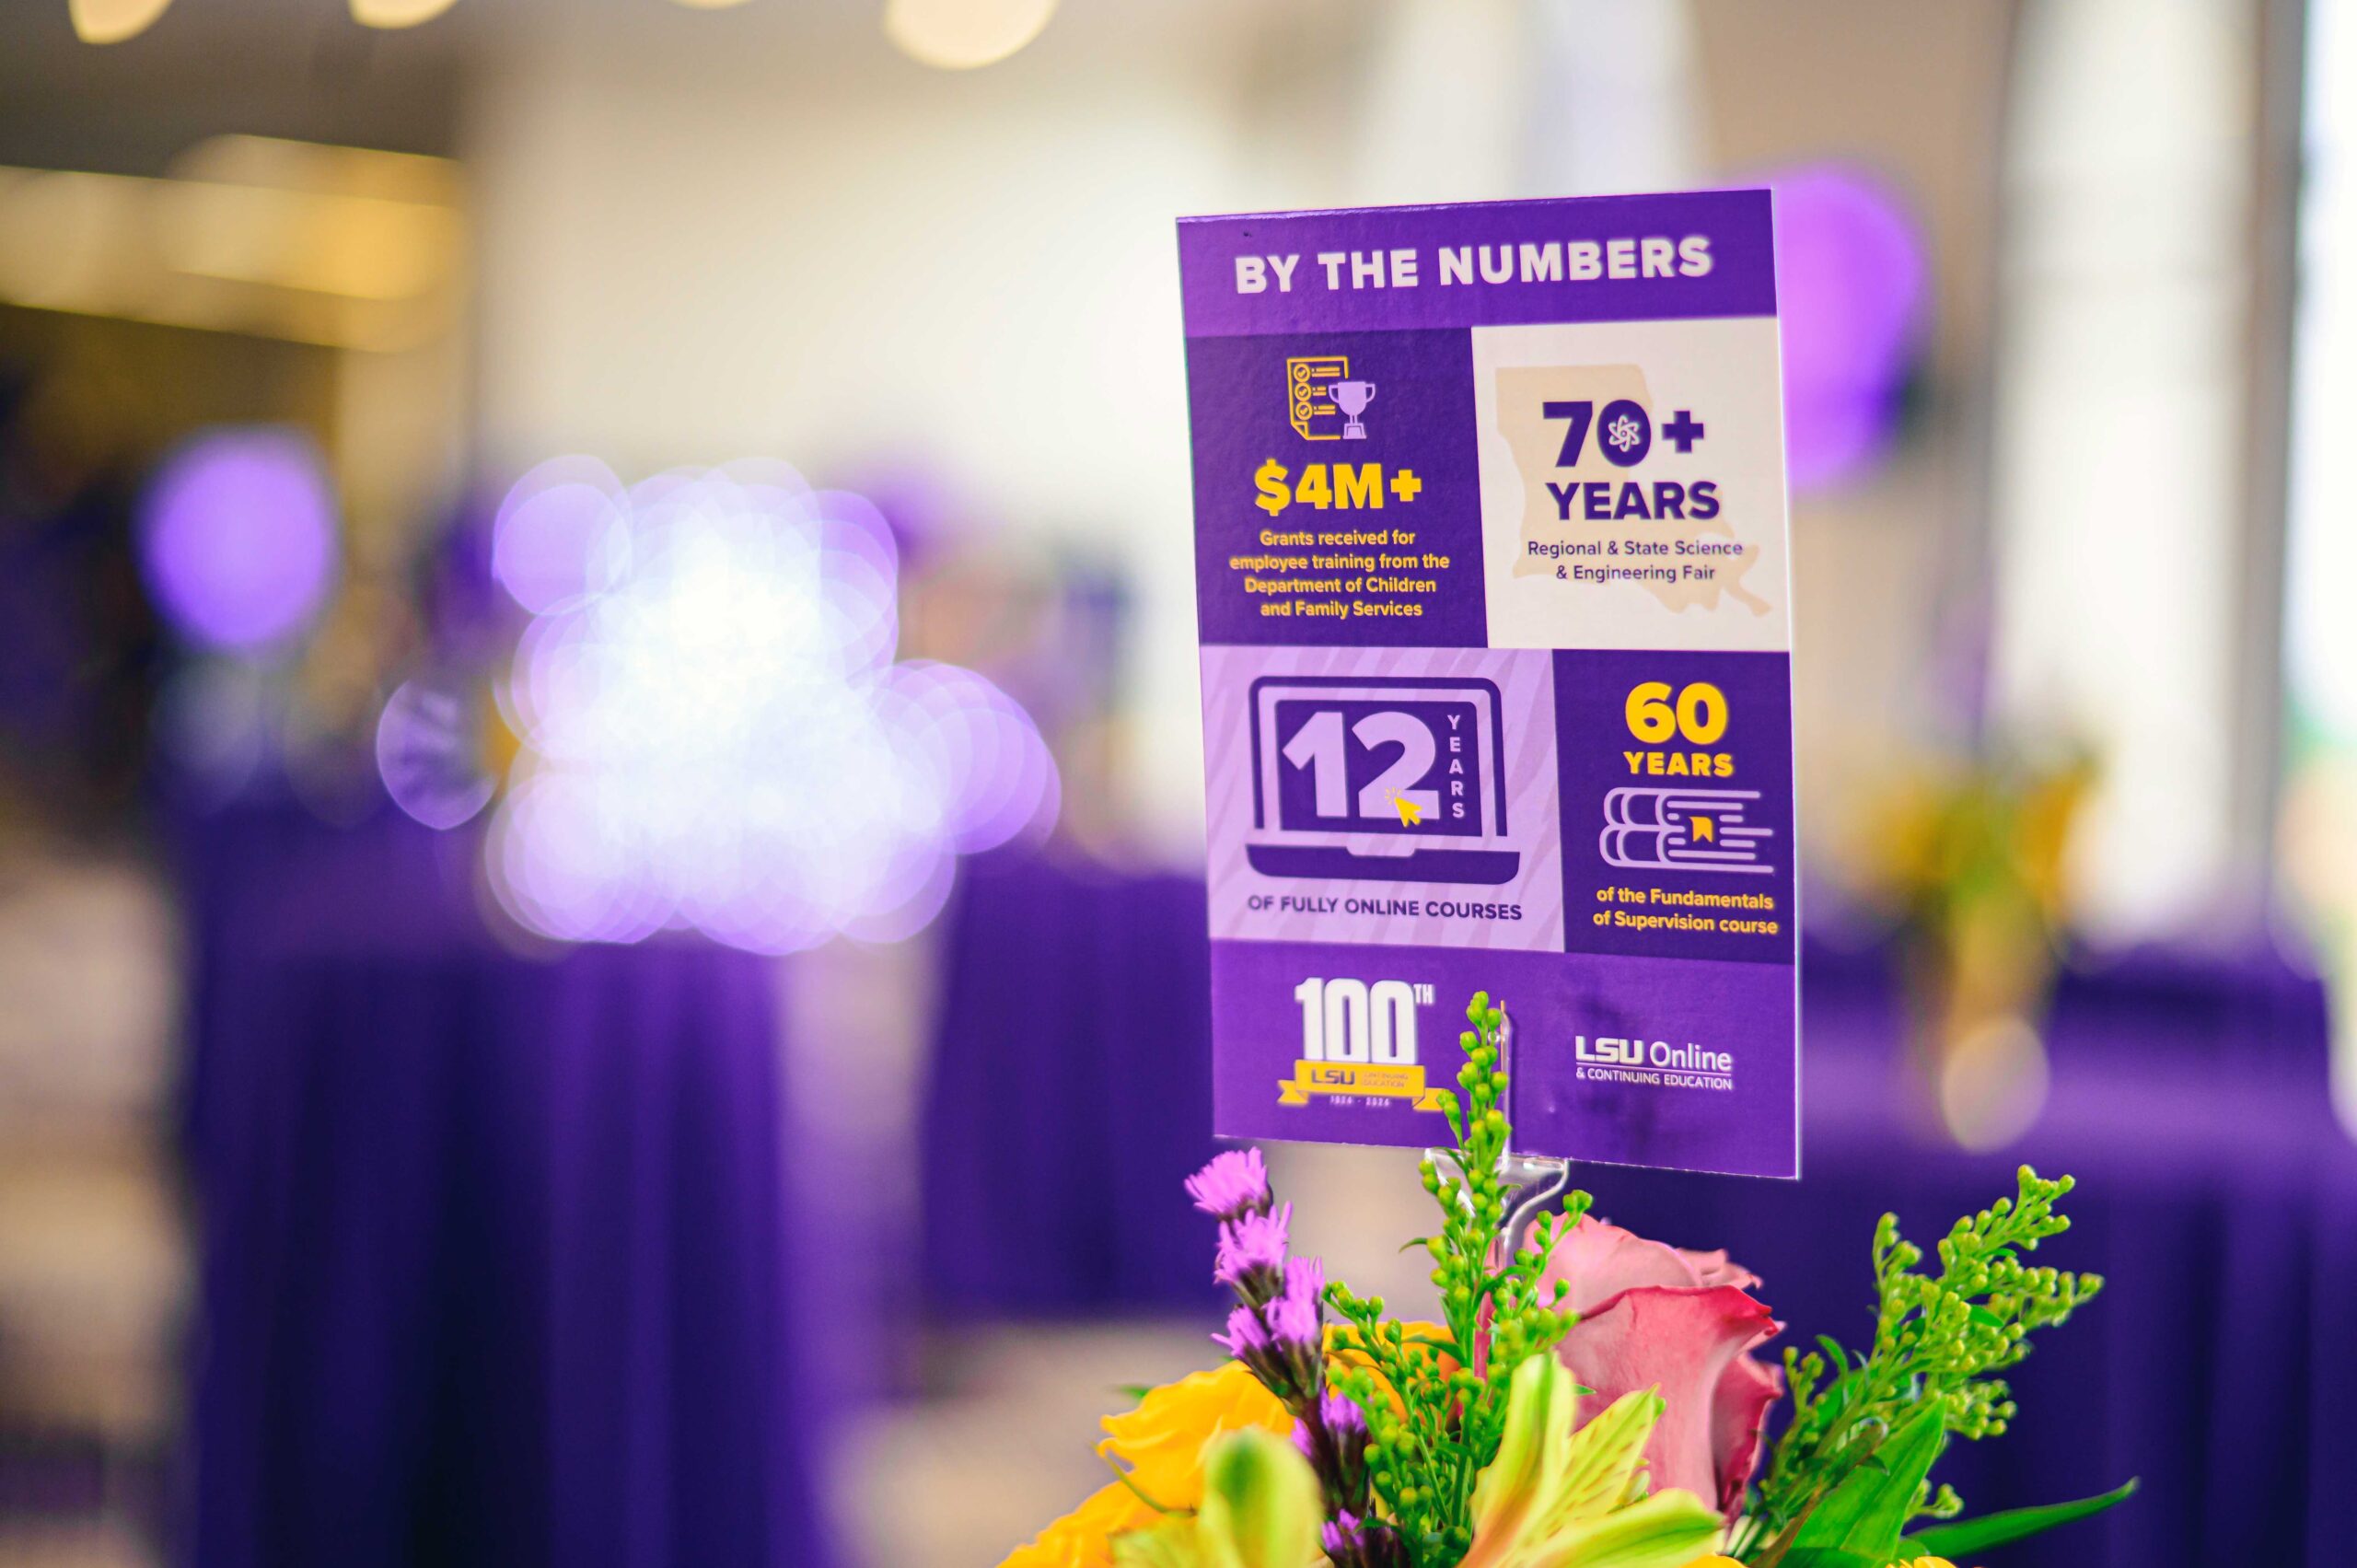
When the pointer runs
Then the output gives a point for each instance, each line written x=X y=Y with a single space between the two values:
x=492 y=1248
x=2217 y=1194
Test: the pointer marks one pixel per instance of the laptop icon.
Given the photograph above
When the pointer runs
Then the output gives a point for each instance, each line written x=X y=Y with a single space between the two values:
x=1397 y=780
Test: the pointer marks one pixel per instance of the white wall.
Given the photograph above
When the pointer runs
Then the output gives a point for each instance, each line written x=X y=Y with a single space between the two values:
x=696 y=246
x=707 y=234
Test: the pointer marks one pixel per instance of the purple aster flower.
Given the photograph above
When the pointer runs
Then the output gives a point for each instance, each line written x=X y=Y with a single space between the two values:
x=1235 y=1183
x=1252 y=1253
x=1246 y=1336
x=1380 y=1547
x=1247 y=1340
x=1296 y=1323
x=1281 y=1338
x=1293 y=1321
x=1354 y=1542
x=1303 y=1301
x=1332 y=1437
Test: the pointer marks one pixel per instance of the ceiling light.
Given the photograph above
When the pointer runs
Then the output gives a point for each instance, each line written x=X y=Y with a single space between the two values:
x=397 y=13
x=957 y=35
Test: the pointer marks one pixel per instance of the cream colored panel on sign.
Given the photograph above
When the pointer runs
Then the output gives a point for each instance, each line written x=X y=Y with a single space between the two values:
x=1633 y=485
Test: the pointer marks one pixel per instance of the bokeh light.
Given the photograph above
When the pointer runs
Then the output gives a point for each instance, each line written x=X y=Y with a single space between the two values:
x=1994 y=1084
x=715 y=735
x=959 y=35
x=238 y=536
x=1850 y=287
x=558 y=534
x=429 y=751
x=397 y=13
x=112 y=21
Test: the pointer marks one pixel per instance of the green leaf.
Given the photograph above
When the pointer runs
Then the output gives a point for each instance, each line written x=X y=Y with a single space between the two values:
x=1827 y=1557
x=2014 y=1524
x=1867 y=1513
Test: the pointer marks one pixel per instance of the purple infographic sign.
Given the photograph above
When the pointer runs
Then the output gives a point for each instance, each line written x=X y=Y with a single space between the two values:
x=1492 y=563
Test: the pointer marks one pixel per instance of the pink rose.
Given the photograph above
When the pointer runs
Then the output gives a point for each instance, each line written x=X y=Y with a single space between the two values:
x=1651 y=1316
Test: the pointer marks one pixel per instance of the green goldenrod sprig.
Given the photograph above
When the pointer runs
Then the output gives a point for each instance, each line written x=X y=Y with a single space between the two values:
x=1436 y=1407
x=1938 y=1341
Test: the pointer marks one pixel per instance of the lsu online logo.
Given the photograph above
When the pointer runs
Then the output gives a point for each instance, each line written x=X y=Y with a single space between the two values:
x=1633 y=1059
x=1309 y=403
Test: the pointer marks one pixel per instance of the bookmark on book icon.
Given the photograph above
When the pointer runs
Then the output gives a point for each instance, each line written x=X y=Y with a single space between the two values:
x=1683 y=830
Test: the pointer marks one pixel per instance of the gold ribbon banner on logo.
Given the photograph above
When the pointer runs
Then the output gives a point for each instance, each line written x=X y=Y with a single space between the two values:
x=1353 y=1078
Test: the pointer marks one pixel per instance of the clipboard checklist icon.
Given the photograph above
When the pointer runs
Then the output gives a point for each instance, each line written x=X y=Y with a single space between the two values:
x=1309 y=403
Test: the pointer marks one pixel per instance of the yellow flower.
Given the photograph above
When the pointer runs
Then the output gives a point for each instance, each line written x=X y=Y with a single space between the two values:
x=1158 y=1447
x=1161 y=1443
x=1083 y=1538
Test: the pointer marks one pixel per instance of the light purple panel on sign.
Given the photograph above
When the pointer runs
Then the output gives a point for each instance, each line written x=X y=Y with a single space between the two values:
x=1492 y=563
x=1480 y=867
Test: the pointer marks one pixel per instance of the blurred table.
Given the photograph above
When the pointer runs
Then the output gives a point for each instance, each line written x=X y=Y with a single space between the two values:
x=492 y=1248
x=1071 y=1094
x=2189 y=1094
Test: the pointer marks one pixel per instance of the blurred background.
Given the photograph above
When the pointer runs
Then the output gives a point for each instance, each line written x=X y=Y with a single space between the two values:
x=601 y=942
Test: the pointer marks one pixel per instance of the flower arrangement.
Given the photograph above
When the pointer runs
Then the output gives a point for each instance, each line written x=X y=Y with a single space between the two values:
x=1590 y=1399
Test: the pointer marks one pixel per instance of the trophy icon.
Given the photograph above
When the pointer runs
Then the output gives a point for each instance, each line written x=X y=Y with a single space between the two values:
x=1352 y=398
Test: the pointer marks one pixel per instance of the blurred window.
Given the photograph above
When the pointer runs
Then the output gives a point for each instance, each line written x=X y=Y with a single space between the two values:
x=2319 y=843
x=2121 y=434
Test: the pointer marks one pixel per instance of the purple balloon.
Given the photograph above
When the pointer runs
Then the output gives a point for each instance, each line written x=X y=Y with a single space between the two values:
x=238 y=536
x=1850 y=272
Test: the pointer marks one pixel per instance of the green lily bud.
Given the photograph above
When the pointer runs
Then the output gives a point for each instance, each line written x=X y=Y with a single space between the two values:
x=1261 y=1504
x=1173 y=1543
